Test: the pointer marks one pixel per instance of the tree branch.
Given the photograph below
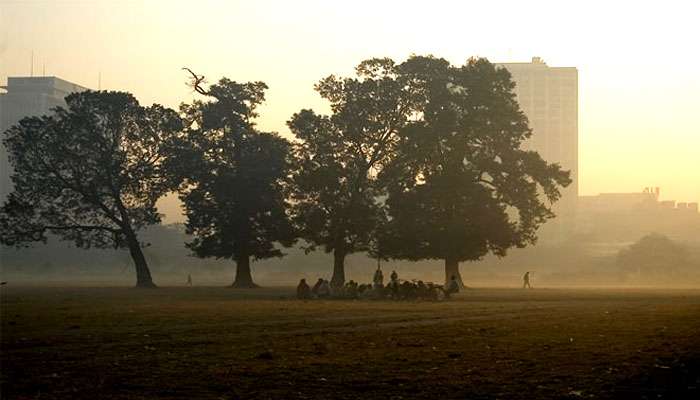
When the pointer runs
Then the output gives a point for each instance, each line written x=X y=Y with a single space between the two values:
x=81 y=228
x=196 y=82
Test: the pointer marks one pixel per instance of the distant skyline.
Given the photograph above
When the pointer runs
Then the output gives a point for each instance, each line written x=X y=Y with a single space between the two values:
x=638 y=81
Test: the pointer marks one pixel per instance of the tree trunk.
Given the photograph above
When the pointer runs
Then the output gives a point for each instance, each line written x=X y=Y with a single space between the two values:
x=338 y=279
x=143 y=274
x=243 y=279
x=452 y=269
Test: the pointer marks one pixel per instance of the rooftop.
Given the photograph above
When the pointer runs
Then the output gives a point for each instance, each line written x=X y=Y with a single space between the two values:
x=27 y=84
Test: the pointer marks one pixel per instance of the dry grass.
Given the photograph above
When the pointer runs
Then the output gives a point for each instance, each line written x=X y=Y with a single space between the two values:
x=218 y=343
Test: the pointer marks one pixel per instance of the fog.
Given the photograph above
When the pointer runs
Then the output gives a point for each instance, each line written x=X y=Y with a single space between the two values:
x=587 y=257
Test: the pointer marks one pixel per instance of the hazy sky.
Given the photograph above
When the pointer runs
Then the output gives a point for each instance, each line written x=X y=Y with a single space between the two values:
x=638 y=62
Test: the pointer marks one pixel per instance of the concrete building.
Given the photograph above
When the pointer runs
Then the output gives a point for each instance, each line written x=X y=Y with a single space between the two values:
x=625 y=217
x=621 y=202
x=25 y=97
x=549 y=98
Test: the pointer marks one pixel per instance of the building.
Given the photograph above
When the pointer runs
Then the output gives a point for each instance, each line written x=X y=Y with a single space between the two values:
x=626 y=217
x=620 y=202
x=549 y=98
x=25 y=97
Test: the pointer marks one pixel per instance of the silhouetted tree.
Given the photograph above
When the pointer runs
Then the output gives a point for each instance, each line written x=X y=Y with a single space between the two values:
x=335 y=197
x=461 y=186
x=233 y=186
x=653 y=256
x=90 y=173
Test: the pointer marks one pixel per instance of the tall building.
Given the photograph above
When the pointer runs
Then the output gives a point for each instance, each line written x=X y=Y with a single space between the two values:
x=549 y=98
x=26 y=97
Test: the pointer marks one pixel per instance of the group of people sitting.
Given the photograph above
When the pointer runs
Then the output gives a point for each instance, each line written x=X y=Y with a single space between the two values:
x=396 y=289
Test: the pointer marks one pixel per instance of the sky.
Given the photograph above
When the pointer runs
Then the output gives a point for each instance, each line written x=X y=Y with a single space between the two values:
x=639 y=82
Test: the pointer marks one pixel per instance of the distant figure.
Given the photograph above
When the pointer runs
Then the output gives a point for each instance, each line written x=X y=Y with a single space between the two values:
x=189 y=279
x=394 y=277
x=453 y=285
x=378 y=279
x=317 y=287
x=325 y=289
x=351 y=289
x=526 y=280
x=303 y=290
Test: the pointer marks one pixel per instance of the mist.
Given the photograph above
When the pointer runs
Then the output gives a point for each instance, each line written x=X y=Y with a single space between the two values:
x=585 y=259
x=368 y=200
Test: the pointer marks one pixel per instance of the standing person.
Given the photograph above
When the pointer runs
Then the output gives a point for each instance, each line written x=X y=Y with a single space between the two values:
x=378 y=279
x=189 y=279
x=303 y=290
x=526 y=280
x=317 y=287
x=394 y=285
x=453 y=286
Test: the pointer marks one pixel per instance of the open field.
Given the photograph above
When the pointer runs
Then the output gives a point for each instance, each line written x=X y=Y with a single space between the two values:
x=218 y=343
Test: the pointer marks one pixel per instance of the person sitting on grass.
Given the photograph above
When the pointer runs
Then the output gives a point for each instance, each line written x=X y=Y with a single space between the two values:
x=303 y=290
x=433 y=291
x=317 y=287
x=407 y=290
x=364 y=291
x=325 y=289
x=351 y=289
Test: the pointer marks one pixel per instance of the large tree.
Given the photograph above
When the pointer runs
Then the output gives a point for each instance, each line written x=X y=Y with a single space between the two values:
x=90 y=173
x=233 y=177
x=461 y=185
x=339 y=156
x=654 y=257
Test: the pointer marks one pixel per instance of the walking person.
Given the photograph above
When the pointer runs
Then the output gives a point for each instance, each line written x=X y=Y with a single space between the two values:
x=526 y=280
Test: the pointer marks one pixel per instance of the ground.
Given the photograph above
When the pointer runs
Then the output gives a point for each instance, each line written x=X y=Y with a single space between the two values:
x=219 y=343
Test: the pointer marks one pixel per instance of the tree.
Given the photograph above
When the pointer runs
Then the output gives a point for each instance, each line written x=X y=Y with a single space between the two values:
x=90 y=173
x=339 y=156
x=460 y=185
x=653 y=256
x=233 y=178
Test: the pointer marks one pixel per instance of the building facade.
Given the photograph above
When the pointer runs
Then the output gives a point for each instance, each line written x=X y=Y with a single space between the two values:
x=626 y=217
x=549 y=98
x=26 y=97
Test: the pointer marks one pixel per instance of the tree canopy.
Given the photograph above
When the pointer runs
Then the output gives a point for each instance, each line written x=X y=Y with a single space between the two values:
x=461 y=185
x=652 y=257
x=90 y=173
x=339 y=156
x=418 y=160
x=232 y=177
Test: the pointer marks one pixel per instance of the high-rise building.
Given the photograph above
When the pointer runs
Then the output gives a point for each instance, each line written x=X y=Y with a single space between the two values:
x=549 y=98
x=26 y=97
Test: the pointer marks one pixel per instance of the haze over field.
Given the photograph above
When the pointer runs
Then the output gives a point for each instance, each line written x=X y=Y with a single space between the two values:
x=638 y=79
x=349 y=200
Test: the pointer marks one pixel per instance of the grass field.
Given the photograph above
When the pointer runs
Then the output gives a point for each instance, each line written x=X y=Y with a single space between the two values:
x=218 y=343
